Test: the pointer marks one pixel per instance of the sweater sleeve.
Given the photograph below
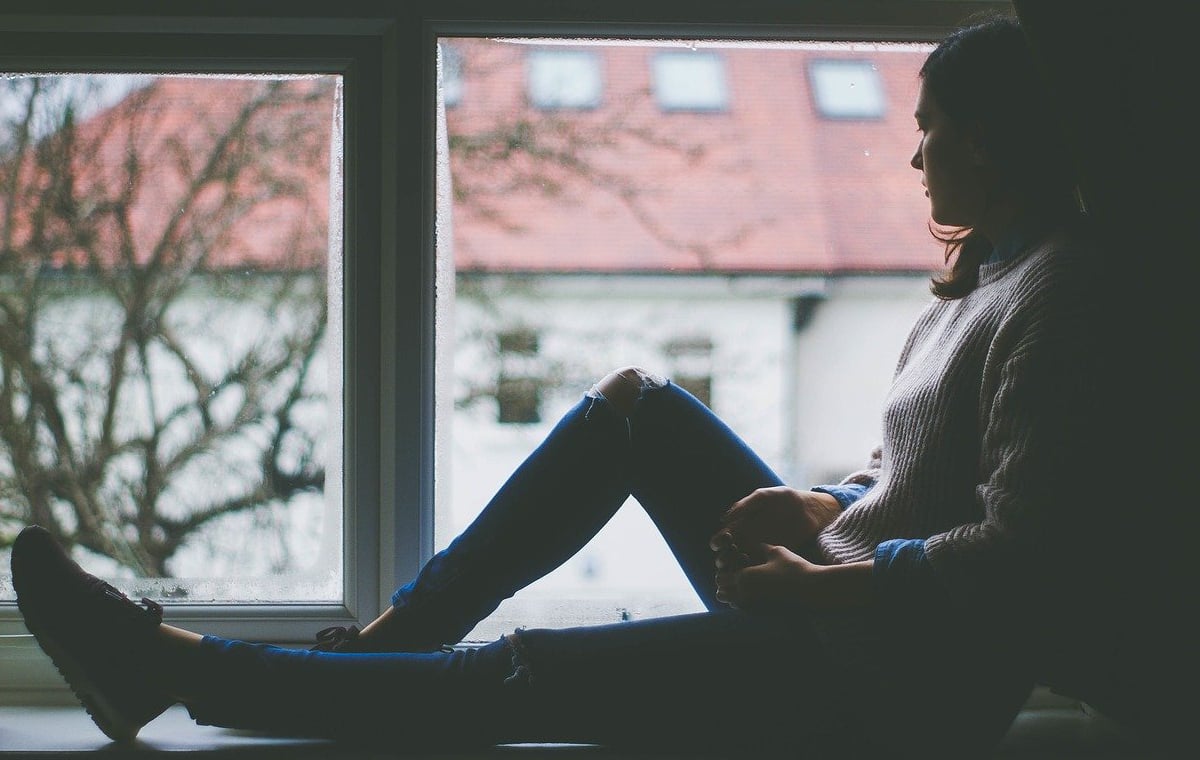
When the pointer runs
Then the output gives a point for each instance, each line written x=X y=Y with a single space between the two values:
x=1034 y=405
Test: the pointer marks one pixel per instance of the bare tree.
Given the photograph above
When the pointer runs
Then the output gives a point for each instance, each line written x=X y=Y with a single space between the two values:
x=162 y=306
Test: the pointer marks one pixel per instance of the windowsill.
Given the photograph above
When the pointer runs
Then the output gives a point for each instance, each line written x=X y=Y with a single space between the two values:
x=40 y=718
x=1048 y=727
x=61 y=731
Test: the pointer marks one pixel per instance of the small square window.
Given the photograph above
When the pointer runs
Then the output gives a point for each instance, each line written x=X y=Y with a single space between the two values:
x=519 y=386
x=564 y=79
x=519 y=401
x=451 y=75
x=847 y=89
x=524 y=342
x=690 y=81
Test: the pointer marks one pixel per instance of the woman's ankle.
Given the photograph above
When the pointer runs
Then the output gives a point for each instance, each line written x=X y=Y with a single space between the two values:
x=174 y=653
x=178 y=638
x=406 y=629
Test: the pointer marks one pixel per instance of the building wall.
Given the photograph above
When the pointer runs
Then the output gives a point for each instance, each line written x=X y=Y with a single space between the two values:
x=844 y=363
x=807 y=402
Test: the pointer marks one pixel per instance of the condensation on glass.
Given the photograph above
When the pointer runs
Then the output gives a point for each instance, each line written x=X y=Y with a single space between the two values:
x=170 y=333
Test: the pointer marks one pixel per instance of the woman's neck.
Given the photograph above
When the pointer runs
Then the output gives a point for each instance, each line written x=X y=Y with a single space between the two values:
x=998 y=220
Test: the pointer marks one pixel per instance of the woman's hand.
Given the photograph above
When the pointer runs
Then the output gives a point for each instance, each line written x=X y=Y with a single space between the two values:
x=773 y=577
x=779 y=516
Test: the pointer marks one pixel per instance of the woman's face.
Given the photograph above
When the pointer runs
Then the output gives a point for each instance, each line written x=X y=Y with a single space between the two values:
x=950 y=166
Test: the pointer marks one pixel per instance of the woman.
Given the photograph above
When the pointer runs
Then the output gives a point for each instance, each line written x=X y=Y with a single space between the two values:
x=892 y=609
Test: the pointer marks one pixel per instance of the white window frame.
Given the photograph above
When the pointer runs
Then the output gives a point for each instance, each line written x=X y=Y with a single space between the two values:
x=387 y=54
x=361 y=51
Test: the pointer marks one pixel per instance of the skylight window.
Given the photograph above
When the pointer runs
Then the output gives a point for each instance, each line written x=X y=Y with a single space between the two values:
x=690 y=81
x=564 y=79
x=847 y=89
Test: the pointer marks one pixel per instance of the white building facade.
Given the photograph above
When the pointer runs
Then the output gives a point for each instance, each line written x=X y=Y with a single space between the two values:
x=796 y=365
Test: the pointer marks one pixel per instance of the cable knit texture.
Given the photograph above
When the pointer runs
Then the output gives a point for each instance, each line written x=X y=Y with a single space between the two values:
x=976 y=427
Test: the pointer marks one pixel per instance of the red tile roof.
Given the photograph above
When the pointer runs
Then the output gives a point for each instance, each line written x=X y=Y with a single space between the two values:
x=767 y=185
x=185 y=193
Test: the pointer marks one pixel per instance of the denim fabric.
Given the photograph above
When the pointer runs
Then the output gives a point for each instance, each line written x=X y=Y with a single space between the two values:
x=903 y=574
x=668 y=681
x=403 y=700
x=705 y=681
x=846 y=494
x=722 y=680
x=682 y=464
x=725 y=681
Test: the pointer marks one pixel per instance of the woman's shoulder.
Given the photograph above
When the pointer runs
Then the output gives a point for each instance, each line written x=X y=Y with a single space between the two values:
x=1066 y=258
x=1063 y=291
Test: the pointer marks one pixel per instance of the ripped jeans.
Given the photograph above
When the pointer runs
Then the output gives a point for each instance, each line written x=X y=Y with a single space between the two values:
x=698 y=679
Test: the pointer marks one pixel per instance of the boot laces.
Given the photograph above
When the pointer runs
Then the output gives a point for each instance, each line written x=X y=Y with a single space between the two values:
x=335 y=636
x=152 y=608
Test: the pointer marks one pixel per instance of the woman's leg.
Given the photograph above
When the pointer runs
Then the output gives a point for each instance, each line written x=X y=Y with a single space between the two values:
x=652 y=681
x=709 y=681
x=633 y=433
x=560 y=496
x=725 y=680
x=687 y=468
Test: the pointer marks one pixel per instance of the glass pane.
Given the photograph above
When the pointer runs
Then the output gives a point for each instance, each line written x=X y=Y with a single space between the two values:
x=564 y=79
x=169 y=358
x=687 y=80
x=847 y=89
x=752 y=254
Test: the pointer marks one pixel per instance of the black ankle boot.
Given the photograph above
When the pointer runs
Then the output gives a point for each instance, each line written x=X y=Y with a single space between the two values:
x=101 y=642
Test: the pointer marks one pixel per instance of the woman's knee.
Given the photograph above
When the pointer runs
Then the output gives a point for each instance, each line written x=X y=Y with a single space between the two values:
x=623 y=387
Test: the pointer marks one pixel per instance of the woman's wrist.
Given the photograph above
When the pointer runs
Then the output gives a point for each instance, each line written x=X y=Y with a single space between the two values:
x=848 y=585
x=827 y=509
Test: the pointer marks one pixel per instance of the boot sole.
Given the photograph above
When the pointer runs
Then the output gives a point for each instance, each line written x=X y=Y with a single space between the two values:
x=104 y=713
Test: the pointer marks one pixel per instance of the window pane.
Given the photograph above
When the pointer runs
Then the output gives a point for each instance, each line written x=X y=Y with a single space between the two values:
x=847 y=89
x=751 y=261
x=690 y=80
x=169 y=368
x=564 y=79
x=451 y=75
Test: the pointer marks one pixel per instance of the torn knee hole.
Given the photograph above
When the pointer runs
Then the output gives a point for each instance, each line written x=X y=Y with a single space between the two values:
x=622 y=388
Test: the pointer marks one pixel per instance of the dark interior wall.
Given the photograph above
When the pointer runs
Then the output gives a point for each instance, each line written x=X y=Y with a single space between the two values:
x=1123 y=87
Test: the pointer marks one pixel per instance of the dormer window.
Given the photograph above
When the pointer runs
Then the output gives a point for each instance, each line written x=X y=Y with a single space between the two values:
x=687 y=80
x=565 y=79
x=847 y=89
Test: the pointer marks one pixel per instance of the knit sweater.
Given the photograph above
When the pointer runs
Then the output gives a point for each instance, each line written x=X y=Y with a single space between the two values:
x=977 y=427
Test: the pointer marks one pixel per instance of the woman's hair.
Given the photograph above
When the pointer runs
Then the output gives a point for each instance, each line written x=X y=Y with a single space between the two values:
x=985 y=78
